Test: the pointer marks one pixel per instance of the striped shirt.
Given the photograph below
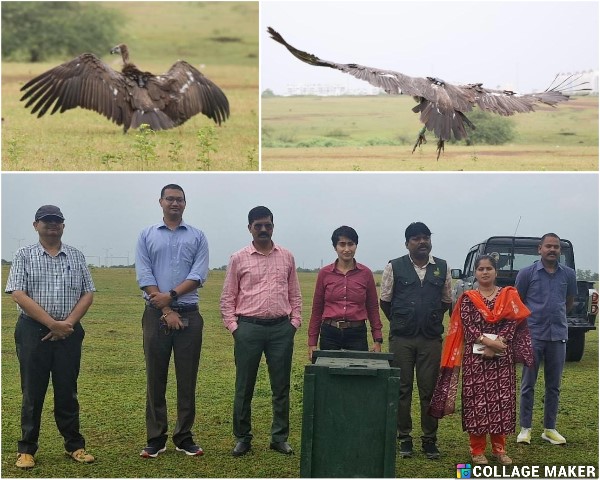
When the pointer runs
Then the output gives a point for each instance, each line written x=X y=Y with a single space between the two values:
x=262 y=286
x=55 y=283
x=165 y=258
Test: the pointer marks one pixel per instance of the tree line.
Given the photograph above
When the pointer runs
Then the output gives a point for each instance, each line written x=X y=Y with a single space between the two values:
x=38 y=31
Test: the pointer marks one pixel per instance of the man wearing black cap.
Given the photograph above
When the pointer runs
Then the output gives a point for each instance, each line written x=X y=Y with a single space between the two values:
x=53 y=288
x=415 y=294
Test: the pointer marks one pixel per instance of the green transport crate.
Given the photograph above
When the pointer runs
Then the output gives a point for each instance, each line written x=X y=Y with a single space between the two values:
x=350 y=403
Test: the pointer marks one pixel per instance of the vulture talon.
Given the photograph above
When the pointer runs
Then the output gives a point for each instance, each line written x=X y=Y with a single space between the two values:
x=420 y=141
x=441 y=105
x=440 y=148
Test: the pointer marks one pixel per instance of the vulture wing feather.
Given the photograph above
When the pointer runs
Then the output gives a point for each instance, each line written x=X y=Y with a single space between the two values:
x=84 y=82
x=392 y=82
x=185 y=92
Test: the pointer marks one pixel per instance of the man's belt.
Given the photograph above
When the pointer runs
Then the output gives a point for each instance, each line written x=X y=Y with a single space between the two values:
x=179 y=308
x=265 y=322
x=341 y=324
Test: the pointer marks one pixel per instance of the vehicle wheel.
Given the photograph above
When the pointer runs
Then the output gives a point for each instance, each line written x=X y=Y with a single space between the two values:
x=575 y=346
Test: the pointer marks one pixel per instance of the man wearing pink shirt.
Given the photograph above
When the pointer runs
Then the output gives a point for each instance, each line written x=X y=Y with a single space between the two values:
x=260 y=306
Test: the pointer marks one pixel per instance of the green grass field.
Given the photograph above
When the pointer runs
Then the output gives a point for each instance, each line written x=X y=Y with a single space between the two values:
x=222 y=36
x=378 y=133
x=112 y=398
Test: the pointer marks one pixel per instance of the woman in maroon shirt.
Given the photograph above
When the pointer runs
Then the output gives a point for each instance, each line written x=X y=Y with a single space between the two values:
x=345 y=298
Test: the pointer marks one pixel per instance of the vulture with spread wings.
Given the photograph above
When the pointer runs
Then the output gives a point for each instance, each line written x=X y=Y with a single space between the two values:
x=130 y=97
x=442 y=106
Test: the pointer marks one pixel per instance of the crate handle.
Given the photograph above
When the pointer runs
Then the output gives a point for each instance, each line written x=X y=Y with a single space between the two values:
x=353 y=370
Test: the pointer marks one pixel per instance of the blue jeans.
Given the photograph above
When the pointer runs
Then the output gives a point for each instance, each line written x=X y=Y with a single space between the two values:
x=552 y=354
x=333 y=338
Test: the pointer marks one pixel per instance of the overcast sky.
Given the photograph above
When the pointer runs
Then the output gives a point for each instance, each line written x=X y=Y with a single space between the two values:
x=518 y=45
x=105 y=212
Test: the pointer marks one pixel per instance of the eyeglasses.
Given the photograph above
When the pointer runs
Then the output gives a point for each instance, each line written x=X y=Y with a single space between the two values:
x=174 y=199
x=260 y=226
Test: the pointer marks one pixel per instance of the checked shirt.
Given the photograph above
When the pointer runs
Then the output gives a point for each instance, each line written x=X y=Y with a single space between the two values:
x=55 y=283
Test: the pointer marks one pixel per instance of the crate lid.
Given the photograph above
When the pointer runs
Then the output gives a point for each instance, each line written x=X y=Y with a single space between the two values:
x=348 y=358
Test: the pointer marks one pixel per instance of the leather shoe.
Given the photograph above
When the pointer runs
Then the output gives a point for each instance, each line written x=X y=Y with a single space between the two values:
x=282 y=447
x=241 y=448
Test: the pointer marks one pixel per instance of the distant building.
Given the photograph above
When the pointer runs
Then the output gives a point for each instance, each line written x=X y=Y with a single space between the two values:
x=329 y=89
x=326 y=90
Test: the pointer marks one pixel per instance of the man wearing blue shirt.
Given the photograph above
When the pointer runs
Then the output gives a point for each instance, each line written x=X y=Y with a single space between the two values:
x=171 y=263
x=548 y=289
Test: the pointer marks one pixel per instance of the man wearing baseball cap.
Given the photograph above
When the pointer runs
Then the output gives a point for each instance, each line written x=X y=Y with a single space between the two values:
x=415 y=294
x=48 y=334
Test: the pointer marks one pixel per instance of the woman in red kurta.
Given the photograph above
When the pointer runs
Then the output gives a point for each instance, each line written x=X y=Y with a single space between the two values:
x=488 y=323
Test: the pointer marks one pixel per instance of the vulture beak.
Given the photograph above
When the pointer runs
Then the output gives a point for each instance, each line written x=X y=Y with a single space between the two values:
x=114 y=50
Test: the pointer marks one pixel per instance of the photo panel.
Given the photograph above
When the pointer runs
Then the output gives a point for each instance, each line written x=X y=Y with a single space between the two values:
x=104 y=214
x=130 y=86
x=429 y=86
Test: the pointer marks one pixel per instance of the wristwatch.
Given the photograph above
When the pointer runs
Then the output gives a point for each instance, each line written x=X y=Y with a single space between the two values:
x=173 y=294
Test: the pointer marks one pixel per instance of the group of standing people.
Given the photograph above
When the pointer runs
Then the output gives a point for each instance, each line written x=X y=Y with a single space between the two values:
x=491 y=329
x=260 y=306
x=500 y=327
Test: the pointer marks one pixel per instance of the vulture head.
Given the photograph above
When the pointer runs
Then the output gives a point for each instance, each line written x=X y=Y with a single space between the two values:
x=122 y=49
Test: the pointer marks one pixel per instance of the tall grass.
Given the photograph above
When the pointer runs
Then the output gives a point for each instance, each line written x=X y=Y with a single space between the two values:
x=112 y=397
x=219 y=38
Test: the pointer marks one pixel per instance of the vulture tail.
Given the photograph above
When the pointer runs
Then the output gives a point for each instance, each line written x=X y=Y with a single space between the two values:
x=444 y=125
x=156 y=119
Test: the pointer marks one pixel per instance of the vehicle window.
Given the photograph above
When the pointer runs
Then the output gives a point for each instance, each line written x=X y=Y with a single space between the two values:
x=469 y=263
x=522 y=257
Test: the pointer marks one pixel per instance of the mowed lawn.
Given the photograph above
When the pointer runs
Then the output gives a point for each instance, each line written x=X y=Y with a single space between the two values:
x=372 y=133
x=112 y=397
x=218 y=38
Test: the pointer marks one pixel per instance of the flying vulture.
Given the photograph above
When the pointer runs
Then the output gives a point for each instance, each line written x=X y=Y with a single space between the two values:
x=442 y=105
x=130 y=97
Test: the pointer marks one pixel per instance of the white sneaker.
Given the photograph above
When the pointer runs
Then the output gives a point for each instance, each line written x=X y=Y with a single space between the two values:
x=524 y=436
x=553 y=437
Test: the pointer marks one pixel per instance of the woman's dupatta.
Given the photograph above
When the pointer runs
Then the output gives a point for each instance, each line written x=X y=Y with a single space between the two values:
x=508 y=306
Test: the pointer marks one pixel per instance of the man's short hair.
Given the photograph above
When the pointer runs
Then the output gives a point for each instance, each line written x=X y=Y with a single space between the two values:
x=344 y=231
x=553 y=235
x=416 y=228
x=259 y=212
x=171 y=186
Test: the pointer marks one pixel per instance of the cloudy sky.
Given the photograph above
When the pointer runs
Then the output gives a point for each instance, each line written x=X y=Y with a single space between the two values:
x=519 y=45
x=105 y=212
